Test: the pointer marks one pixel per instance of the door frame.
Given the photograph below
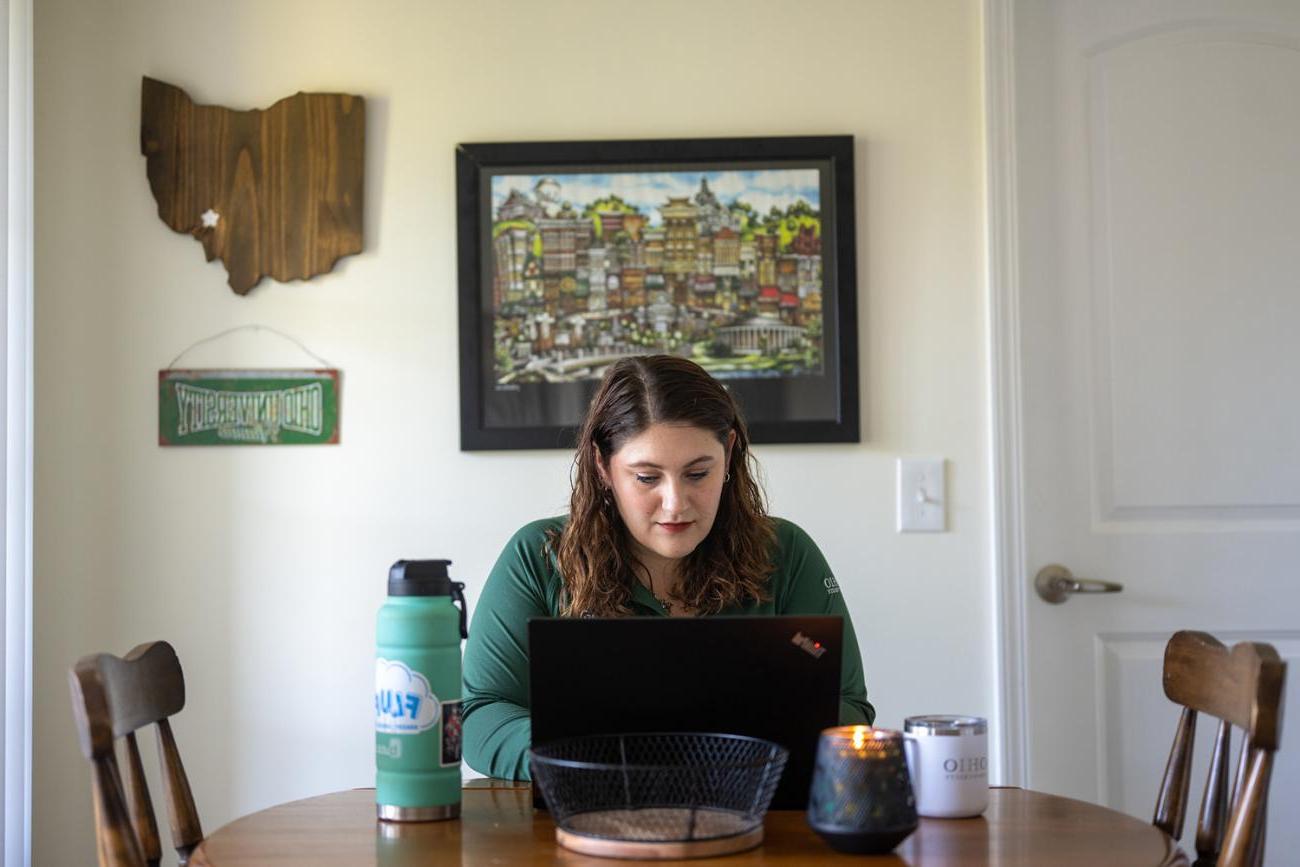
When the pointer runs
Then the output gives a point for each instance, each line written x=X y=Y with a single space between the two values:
x=1005 y=395
x=16 y=366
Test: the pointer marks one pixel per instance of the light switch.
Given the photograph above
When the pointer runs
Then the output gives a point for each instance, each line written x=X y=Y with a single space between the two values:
x=922 y=504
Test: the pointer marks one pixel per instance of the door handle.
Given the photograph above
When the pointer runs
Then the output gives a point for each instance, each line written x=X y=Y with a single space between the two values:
x=1055 y=584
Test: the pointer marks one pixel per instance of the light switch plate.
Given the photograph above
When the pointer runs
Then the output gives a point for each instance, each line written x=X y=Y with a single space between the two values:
x=922 y=497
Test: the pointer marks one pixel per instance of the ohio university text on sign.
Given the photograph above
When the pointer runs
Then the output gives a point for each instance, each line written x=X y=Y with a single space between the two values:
x=248 y=407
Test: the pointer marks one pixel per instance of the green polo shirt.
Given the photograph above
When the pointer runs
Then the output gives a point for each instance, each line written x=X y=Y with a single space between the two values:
x=525 y=583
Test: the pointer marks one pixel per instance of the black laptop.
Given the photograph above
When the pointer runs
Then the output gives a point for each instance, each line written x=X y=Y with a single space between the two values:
x=776 y=678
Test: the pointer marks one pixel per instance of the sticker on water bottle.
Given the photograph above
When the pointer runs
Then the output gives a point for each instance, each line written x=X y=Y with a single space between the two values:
x=451 y=733
x=404 y=702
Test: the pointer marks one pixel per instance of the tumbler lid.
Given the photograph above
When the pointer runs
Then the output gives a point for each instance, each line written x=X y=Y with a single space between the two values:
x=419 y=578
x=946 y=724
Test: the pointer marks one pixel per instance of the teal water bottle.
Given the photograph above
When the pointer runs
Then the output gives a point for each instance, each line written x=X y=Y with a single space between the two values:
x=417 y=694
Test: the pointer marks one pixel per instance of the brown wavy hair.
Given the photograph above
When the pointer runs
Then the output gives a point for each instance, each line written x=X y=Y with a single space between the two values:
x=593 y=551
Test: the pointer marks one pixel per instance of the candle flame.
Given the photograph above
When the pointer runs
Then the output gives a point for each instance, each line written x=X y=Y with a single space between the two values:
x=859 y=737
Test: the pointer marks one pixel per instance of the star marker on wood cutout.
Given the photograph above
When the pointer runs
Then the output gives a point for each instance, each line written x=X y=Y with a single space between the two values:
x=210 y=218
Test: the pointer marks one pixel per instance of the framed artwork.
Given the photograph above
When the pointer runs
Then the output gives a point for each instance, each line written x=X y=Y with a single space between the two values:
x=736 y=253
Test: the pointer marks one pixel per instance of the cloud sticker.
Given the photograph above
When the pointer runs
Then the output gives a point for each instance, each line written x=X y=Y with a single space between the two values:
x=404 y=702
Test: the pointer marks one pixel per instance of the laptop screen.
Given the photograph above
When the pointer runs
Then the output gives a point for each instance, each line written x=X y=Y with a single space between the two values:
x=776 y=678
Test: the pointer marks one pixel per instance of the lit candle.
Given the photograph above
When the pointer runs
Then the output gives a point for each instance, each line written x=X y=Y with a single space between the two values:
x=861 y=798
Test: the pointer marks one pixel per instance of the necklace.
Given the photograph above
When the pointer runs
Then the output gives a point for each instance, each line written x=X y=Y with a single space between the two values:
x=664 y=602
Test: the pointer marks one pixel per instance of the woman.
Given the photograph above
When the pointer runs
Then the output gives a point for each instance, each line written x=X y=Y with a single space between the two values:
x=665 y=519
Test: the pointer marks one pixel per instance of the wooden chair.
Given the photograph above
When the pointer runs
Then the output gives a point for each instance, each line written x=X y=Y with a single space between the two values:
x=112 y=698
x=1242 y=687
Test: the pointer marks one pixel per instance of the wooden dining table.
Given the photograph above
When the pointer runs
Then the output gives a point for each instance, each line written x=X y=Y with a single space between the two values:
x=498 y=826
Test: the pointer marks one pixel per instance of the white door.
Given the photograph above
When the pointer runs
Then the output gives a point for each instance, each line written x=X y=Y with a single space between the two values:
x=1157 y=158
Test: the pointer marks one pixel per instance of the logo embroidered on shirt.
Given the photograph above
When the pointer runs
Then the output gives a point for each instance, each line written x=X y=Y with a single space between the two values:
x=832 y=586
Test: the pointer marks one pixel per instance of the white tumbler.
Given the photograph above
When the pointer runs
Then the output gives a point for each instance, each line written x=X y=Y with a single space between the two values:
x=949 y=761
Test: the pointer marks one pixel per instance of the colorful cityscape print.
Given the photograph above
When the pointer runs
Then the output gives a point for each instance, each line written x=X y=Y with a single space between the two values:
x=723 y=267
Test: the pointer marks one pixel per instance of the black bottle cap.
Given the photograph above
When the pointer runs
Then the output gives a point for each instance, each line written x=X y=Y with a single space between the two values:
x=419 y=578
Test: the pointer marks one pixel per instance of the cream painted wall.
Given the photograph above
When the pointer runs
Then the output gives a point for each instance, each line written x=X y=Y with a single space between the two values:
x=265 y=566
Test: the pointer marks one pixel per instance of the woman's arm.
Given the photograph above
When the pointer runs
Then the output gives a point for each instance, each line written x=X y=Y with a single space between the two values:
x=811 y=588
x=498 y=729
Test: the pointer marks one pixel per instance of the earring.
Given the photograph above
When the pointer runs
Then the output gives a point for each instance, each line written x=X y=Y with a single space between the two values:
x=726 y=478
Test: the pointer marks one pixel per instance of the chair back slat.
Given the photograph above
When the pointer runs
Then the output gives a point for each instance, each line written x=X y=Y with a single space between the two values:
x=114 y=697
x=1213 y=817
x=1171 y=803
x=1245 y=823
x=114 y=838
x=1241 y=686
x=1256 y=858
x=142 y=817
x=1239 y=778
x=187 y=832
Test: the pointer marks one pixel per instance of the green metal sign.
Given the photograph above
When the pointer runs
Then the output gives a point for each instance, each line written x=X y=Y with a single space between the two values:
x=248 y=407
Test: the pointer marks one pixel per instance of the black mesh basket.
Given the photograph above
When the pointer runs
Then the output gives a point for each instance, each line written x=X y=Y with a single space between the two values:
x=658 y=788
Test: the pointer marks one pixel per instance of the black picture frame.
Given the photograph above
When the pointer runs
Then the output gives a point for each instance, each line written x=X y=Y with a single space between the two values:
x=801 y=387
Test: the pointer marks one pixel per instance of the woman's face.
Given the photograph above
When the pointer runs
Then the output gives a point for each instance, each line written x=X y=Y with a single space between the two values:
x=667 y=482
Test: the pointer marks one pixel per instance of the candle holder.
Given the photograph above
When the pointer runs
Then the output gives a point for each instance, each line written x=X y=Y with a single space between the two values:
x=861 y=800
